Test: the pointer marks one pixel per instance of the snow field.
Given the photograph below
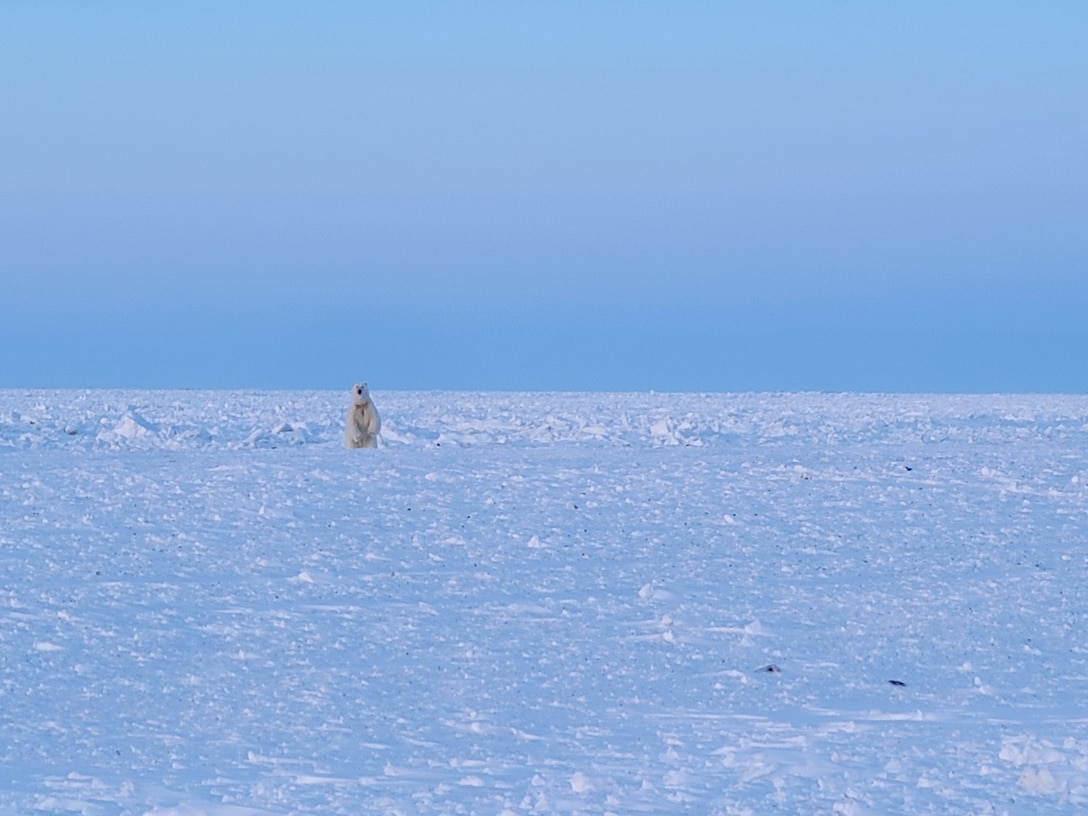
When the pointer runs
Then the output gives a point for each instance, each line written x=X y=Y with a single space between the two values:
x=543 y=603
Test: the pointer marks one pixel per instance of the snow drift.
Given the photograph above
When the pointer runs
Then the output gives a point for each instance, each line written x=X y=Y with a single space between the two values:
x=543 y=603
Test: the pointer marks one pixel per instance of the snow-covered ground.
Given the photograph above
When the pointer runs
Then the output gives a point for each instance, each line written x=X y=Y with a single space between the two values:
x=543 y=603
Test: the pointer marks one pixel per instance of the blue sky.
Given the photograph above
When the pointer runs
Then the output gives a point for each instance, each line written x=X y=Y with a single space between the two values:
x=632 y=196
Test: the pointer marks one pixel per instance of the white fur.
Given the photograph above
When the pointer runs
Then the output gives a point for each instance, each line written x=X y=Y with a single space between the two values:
x=364 y=424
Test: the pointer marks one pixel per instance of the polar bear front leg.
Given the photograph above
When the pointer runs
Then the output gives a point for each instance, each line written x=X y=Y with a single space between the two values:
x=353 y=437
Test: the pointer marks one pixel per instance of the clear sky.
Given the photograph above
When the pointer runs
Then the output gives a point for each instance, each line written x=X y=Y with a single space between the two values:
x=631 y=195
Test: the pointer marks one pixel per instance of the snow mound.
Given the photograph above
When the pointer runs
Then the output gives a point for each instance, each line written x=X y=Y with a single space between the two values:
x=132 y=427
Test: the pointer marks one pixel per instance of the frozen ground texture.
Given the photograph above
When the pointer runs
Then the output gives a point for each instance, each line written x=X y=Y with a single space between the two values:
x=543 y=603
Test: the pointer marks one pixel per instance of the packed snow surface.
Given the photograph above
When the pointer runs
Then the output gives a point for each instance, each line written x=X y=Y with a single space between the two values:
x=543 y=603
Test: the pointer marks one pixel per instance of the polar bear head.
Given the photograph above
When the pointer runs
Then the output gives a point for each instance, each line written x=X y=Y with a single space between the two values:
x=360 y=394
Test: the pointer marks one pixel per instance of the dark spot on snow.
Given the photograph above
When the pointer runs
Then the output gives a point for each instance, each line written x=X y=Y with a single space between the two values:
x=770 y=668
x=908 y=467
x=899 y=683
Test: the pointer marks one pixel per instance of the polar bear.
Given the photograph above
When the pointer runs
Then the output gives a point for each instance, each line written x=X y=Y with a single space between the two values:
x=363 y=424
